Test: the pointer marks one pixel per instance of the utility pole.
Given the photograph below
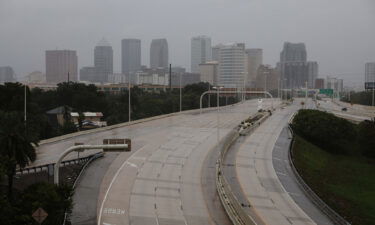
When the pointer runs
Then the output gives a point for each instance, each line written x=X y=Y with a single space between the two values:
x=180 y=93
x=129 y=100
x=170 y=77
x=25 y=109
x=68 y=77
x=306 y=95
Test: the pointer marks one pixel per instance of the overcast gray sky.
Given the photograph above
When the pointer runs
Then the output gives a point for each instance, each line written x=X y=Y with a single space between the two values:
x=339 y=34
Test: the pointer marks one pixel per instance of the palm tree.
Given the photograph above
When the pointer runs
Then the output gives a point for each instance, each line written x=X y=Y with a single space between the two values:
x=16 y=147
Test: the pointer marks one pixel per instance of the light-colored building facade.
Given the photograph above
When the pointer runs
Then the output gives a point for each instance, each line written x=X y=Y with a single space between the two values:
x=370 y=75
x=232 y=65
x=334 y=83
x=36 y=77
x=6 y=74
x=200 y=52
x=130 y=55
x=254 y=58
x=152 y=77
x=267 y=78
x=159 y=54
x=215 y=52
x=209 y=72
x=61 y=66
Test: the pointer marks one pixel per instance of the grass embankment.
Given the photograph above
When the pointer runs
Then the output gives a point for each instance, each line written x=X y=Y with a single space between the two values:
x=345 y=182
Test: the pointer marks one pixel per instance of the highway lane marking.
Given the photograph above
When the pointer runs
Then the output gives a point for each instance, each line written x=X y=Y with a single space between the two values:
x=112 y=181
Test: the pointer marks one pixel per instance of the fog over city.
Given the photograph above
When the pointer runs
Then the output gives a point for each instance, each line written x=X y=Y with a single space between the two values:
x=339 y=34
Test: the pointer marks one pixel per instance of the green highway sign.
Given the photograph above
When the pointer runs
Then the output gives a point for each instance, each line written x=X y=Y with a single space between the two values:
x=328 y=92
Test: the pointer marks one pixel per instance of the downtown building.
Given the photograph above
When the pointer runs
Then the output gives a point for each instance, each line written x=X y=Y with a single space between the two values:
x=61 y=66
x=159 y=54
x=103 y=64
x=232 y=65
x=254 y=59
x=130 y=56
x=370 y=75
x=209 y=72
x=200 y=52
x=6 y=74
x=294 y=68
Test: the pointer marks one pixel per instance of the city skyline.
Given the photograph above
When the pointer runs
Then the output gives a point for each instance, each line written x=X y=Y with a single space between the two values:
x=329 y=37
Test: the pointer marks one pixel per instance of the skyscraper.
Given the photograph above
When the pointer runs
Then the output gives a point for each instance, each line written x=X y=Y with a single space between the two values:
x=232 y=65
x=130 y=55
x=293 y=52
x=159 y=54
x=370 y=75
x=6 y=74
x=312 y=73
x=254 y=58
x=200 y=52
x=103 y=60
x=294 y=68
x=61 y=66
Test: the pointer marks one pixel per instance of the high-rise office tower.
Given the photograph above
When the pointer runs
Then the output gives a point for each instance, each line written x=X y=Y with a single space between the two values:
x=294 y=68
x=6 y=74
x=215 y=52
x=293 y=53
x=61 y=66
x=103 y=56
x=103 y=60
x=254 y=58
x=370 y=75
x=159 y=54
x=130 y=55
x=200 y=52
x=312 y=73
x=232 y=65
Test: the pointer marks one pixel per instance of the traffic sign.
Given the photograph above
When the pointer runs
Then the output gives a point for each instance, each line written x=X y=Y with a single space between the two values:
x=116 y=142
x=39 y=215
x=328 y=92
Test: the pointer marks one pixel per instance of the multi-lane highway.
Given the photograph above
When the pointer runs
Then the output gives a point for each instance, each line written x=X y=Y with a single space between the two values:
x=351 y=113
x=270 y=202
x=160 y=181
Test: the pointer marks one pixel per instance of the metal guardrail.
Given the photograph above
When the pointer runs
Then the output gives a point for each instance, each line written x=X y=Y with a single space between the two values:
x=335 y=217
x=83 y=169
x=231 y=204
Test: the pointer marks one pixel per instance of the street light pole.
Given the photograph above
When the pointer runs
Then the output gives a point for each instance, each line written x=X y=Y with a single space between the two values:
x=129 y=100
x=180 y=94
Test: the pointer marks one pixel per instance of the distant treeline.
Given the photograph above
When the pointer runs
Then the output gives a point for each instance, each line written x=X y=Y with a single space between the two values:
x=362 y=98
x=336 y=135
x=87 y=98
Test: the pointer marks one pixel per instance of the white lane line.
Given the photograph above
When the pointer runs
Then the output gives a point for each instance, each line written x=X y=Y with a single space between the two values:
x=112 y=181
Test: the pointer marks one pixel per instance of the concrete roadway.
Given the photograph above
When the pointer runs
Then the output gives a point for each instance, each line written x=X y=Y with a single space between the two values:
x=161 y=183
x=351 y=113
x=257 y=176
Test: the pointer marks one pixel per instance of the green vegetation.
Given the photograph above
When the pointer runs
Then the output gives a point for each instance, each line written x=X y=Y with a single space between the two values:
x=83 y=98
x=362 y=98
x=334 y=134
x=336 y=159
x=18 y=138
x=53 y=199
x=345 y=183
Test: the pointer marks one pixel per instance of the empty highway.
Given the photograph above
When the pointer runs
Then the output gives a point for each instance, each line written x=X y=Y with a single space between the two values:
x=258 y=179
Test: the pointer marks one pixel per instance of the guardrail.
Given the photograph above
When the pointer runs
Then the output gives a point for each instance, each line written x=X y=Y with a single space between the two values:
x=92 y=158
x=335 y=217
x=231 y=204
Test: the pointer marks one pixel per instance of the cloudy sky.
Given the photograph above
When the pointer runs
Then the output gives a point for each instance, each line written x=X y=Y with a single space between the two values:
x=339 y=34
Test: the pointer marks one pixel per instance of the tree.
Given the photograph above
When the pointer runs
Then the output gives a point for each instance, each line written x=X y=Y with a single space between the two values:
x=366 y=138
x=17 y=147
